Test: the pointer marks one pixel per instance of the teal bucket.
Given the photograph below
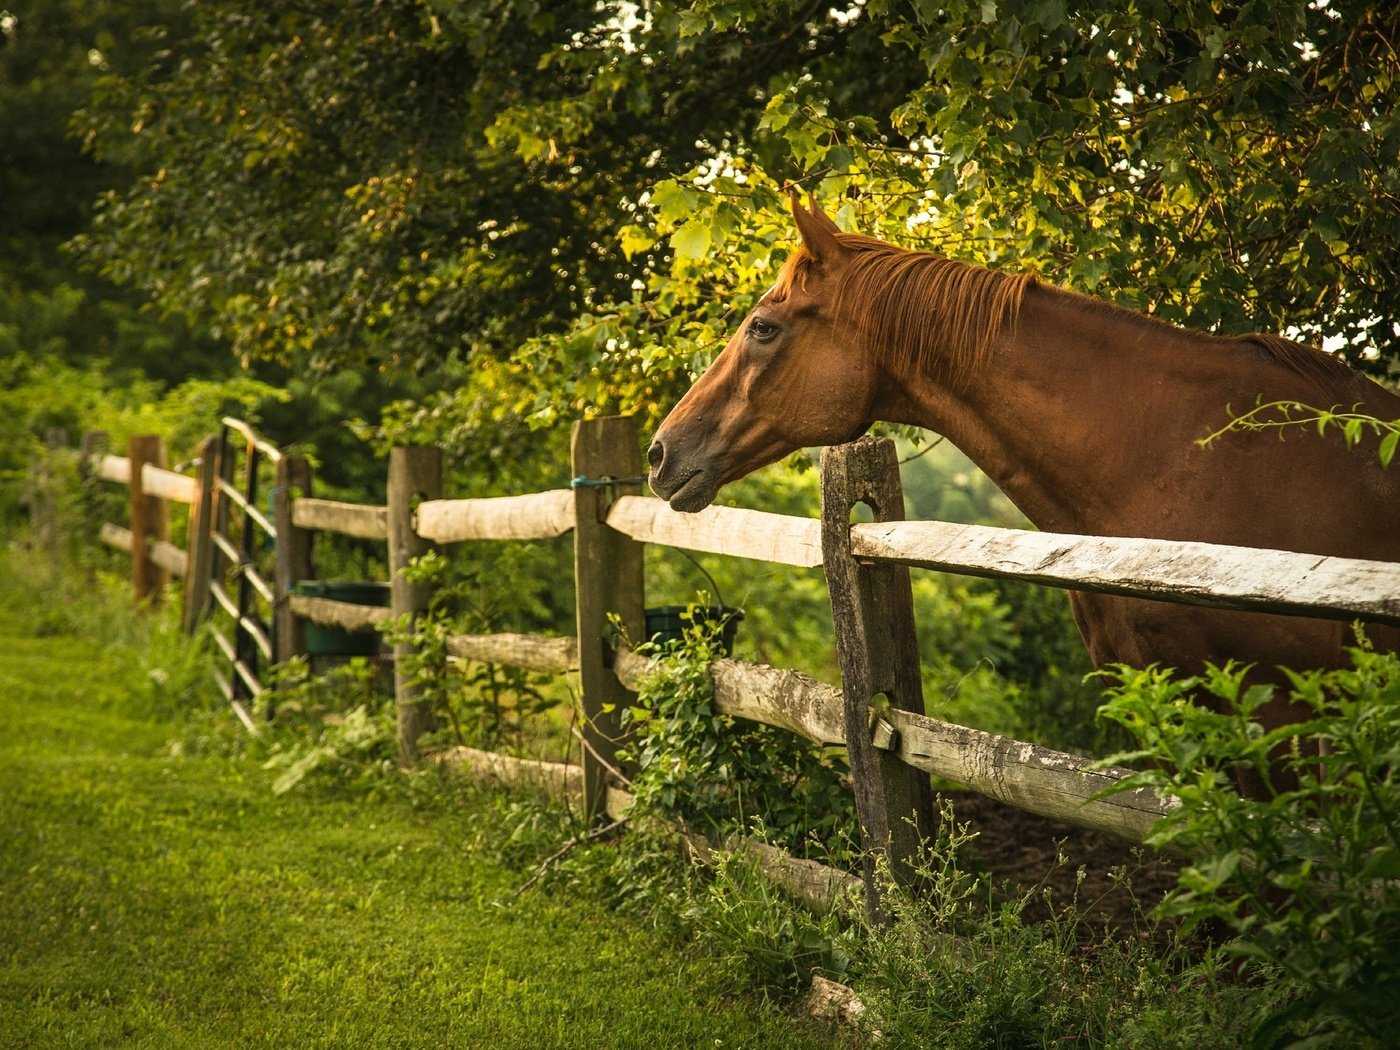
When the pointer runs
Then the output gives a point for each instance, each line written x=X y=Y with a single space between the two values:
x=667 y=623
x=334 y=641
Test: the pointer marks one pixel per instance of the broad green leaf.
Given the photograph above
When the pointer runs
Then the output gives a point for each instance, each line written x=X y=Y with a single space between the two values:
x=1388 y=444
x=692 y=240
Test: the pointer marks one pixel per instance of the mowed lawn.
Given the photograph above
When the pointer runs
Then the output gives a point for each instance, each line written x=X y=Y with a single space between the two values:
x=156 y=901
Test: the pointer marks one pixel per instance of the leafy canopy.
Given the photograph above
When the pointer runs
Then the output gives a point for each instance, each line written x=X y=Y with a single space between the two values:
x=566 y=204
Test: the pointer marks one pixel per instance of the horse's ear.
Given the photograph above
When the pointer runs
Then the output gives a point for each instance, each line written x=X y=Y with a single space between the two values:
x=816 y=228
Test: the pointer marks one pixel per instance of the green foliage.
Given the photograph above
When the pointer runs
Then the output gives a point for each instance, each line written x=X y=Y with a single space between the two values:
x=333 y=728
x=52 y=54
x=1282 y=415
x=957 y=965
x=1305 y=879
x=38 y=394
x=569 y=205
x=386 y=183
x=717 y=774
x=499 y=587
x=758 y=932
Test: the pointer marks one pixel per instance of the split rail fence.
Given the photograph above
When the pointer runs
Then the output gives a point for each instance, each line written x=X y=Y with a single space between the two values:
x=242 y=565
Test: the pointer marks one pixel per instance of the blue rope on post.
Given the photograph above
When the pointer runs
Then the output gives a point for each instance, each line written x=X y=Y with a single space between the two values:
x=584 y=482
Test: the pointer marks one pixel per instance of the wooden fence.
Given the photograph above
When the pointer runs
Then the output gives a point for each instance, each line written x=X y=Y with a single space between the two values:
x=878 y=714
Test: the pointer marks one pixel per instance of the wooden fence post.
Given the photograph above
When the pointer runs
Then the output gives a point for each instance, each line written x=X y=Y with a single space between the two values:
x=608 y=580
x=293 y=556
x=150 y=519
x=200 y=542
x=415 y=475
x=873 y=614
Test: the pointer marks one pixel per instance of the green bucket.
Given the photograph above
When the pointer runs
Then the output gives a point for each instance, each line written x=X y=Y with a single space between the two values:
x=334 y=641
x=667 y=623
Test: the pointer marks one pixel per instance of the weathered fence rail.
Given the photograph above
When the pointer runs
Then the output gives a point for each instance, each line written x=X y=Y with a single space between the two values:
x=892 y=752
x=1205 y=574
x=349 y=519
x=537 y=516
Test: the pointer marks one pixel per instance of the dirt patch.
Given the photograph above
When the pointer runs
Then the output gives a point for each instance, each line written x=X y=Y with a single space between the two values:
x=1114 y=884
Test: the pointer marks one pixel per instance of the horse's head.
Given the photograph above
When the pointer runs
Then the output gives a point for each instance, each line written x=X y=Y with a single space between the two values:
x=790 y=378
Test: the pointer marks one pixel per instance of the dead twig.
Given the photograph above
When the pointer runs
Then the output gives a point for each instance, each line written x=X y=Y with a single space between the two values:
x=562 y=851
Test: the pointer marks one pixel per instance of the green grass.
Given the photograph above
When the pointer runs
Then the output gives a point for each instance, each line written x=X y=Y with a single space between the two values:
x=150 y=900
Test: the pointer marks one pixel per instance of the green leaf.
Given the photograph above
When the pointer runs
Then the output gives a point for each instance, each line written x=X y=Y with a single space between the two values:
x=1388 y=444
x=1384 y=863
x=692 y=240
x=635 y=240
x=674 y=202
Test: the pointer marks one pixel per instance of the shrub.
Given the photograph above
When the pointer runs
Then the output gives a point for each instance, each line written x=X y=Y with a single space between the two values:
x=1304 y=880
x=719 y=774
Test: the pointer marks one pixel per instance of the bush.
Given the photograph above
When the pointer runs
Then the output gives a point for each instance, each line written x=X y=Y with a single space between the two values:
x=1305 y=880
x=717 y=774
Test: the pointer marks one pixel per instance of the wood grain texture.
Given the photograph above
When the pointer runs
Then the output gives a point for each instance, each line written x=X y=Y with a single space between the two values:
x=150 y=518
x=347 y=616
x=293 y=555
x=166 y=555
x=780 y=538
x=608 y=587
x=872 y=610
x=1036 y=779
x=201 y=538
x=168 y=485
x=530 y=652
x=774 y=696
x=556 y=778
x=534 y=516
x=1192 y=573
x=114 y=468
x=415 y=475
x=786 y=699
x=360 y=520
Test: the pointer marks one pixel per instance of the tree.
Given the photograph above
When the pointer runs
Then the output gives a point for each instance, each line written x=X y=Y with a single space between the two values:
x=1227 y=166
x=52 y=53
x=544 y=208
x=390 y=183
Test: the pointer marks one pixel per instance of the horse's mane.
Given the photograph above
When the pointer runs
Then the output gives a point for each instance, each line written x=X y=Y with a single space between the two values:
x=944 y=316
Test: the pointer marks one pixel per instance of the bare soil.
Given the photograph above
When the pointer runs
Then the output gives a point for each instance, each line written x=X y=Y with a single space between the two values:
x=1111 y=883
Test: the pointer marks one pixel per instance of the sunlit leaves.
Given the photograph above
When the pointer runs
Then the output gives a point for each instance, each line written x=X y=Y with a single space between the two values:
x=576 y=205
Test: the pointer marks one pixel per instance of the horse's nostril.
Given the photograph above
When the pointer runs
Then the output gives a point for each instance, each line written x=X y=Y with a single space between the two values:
x=655 y=455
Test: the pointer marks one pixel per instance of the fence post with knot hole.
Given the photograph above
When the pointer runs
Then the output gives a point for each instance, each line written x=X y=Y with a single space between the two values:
x=872 y=610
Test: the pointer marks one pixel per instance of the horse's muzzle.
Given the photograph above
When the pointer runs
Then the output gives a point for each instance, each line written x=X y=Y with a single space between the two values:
x=686 y=488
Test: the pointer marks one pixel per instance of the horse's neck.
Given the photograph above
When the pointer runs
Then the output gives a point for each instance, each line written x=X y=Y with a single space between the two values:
x=1078 y=410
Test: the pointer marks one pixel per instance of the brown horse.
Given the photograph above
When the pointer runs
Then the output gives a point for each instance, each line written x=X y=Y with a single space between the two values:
x=1086 y=415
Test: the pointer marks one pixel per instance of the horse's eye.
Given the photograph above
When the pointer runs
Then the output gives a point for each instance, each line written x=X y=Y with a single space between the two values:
x=761 y=330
